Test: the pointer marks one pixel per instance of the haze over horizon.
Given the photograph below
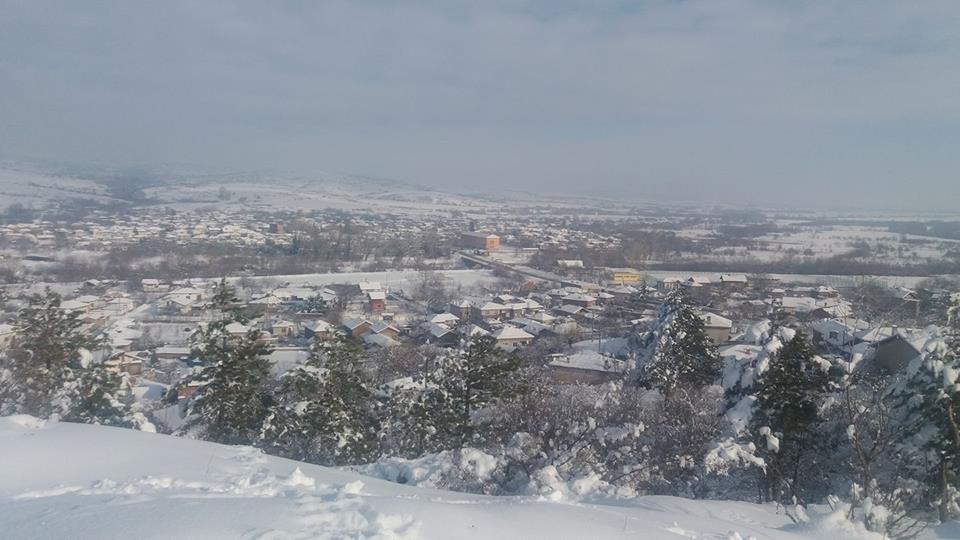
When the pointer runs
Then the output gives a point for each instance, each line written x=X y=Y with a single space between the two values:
x=754 y=102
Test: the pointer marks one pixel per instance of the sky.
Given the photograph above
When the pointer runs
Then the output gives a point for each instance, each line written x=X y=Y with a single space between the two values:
x=835 y=103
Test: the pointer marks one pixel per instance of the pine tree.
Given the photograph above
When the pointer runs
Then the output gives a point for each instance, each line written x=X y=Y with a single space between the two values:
x=406 y=419
x=314 y=304
x=928 y=401
x=226 y=301
x=233 y=401
x=327 y=412
x=787 y=413
x=95 y=398
x=342 y=418
x=466 y=382
x=49 y=370
x=48 y=344
x=679 y=352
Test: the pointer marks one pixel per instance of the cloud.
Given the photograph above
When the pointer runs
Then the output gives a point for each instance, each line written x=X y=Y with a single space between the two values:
x=763 y=102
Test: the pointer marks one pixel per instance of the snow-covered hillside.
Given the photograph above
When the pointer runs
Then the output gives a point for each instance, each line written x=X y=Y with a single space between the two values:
x=37 y=189
x=78 y=481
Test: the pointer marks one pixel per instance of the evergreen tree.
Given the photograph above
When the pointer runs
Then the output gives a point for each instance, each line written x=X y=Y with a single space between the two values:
x=314 y=304
x=226 y=302
x=95 y=397
x=48 y=343
x=636 y=302
x=233 y=401
x=413 y=421
x=679 y=352
x=787 y=414
x=49 y=370
x=928 y=401
x=330 y=409
x=466 y=382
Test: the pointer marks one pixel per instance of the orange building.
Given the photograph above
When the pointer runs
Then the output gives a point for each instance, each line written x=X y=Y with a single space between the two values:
x=480 y=240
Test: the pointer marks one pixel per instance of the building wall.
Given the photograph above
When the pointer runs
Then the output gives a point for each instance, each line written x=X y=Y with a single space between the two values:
x=626 y=277
x=894 y=355
x=718 y=335
x=511 y=344
x=489 y=243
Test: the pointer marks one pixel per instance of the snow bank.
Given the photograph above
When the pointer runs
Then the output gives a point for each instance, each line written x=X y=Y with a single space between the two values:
x=61 y=480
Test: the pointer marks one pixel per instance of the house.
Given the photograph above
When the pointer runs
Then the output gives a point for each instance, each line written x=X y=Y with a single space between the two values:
x=544 y=318
x=893 y=353
x=486 y=310
x=268 y=303
x=472 y=330
x=126 y=362
x=151 y=285
x=445 y=318
x=875 y=334
x=376 y=301
x=580 y=286
x=585 y=367
x=119 y=305
x=461 y=309
x=318 y=329
x=440 y=334
x=178 y=304
x=480 y=240
x=805 y=305
x=369 y=286
x=577 y=299
x=283 y=329
x=697 y=287
x=569 y=263
x=716 y=327
x=831 y=308
x=834 y=333
x=236 y=329
x=669 y=284
x=534 y=306
x=736 y=282
x=824 y=291
x=191 y=293
x=622 y=292
x=169 y=352
x=185 y=299
x=357 y=327
x=385 y=329
x=569 y=310
x=510 y=338
x=379 y=340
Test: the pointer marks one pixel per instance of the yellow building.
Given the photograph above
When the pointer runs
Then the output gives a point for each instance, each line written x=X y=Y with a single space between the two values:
x=624 y=275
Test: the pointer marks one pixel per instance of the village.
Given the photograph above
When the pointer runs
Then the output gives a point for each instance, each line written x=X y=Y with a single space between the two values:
x=584 y=323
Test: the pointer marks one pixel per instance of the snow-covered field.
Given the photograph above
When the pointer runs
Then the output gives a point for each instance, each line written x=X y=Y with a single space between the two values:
x=33 y=188
x=79 y=481
x=393 y=280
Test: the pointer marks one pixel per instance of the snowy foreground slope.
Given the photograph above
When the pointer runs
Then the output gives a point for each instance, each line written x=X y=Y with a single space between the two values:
x=79 y=481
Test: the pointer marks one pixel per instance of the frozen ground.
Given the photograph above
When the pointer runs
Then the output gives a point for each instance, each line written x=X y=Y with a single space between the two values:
x=80 y=481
